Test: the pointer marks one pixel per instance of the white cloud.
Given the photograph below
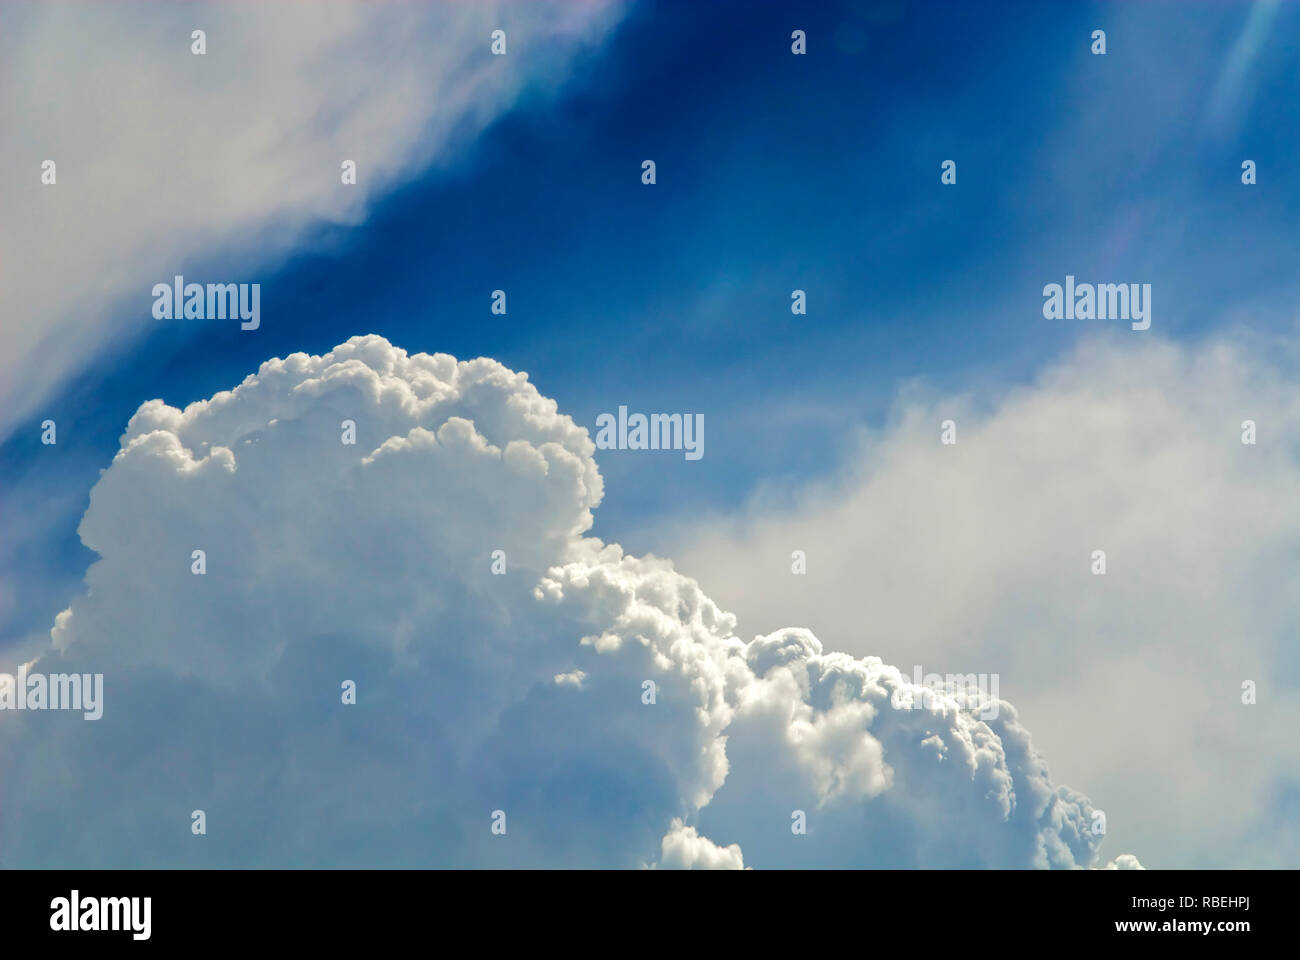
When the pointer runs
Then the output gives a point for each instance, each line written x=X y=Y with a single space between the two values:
x=977 y=558
x=373 y=563
x=684 y=849
x=163 y=155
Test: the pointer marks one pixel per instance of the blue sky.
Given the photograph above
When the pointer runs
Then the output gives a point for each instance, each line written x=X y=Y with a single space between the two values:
x=774 y=172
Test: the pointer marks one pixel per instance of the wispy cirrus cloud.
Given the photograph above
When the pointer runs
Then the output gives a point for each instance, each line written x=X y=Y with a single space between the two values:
x=163 y=155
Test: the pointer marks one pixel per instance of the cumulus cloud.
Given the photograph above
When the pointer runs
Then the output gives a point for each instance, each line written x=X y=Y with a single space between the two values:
x=602 y=702
x=684 y=849
x=978 y=557
x=162 y=155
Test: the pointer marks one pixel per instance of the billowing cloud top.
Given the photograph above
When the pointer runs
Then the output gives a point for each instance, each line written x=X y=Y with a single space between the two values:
x=598 y=704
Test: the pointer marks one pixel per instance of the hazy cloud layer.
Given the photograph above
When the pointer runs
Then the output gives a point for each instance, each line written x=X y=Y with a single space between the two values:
x=977 y=557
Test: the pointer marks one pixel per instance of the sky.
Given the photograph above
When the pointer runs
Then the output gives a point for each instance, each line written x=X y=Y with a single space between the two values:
x=775 y=172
